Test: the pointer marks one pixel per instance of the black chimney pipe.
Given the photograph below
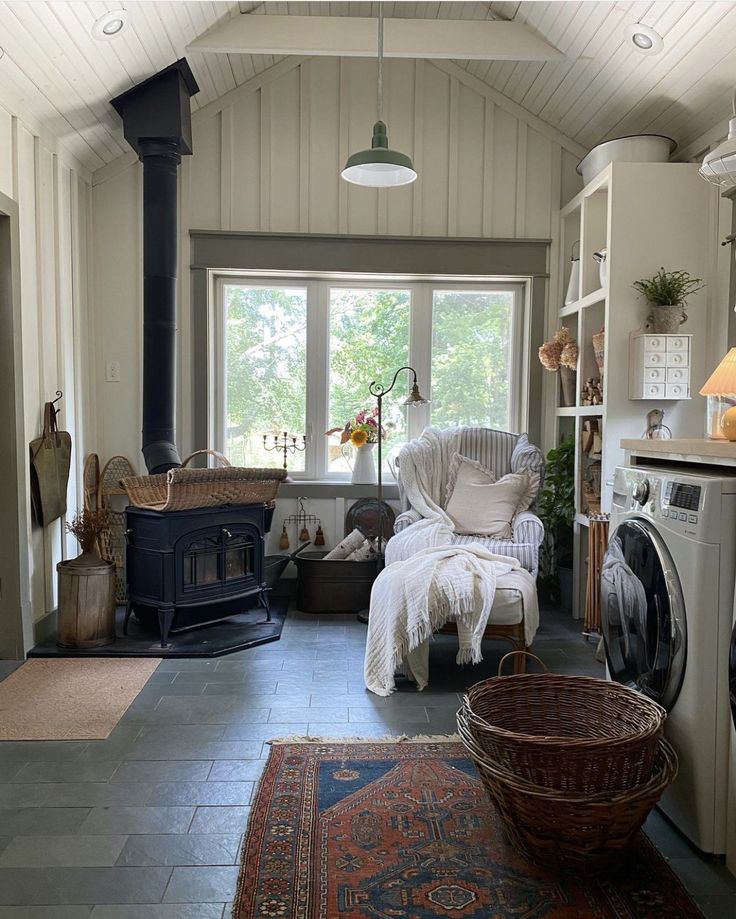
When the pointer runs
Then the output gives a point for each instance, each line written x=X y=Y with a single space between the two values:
x=157 y=123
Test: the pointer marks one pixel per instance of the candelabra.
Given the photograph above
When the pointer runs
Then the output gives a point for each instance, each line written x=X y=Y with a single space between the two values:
x=286 y=443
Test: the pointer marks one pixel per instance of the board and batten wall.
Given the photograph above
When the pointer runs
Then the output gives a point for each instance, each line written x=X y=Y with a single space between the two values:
x=52 y=195
x=267 y=158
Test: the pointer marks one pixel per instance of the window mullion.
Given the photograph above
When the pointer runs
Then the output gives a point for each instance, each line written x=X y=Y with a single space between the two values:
x=420 y=351
x=317 y=378
x=217 y=360
x=520 y=352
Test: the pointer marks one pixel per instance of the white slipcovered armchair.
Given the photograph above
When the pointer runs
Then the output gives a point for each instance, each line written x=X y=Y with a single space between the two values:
x=502 y=452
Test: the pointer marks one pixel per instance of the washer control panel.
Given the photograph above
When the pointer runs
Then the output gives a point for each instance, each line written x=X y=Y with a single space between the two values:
x=688 y=504
x=682 y=494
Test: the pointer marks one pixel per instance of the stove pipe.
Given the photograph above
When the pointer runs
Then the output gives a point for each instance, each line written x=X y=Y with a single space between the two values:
x=157 y=123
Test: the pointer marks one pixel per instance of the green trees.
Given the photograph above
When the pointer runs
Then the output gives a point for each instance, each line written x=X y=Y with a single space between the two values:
x=266 y=355
x=369 y=340
x=471 y=358
x=266 y=369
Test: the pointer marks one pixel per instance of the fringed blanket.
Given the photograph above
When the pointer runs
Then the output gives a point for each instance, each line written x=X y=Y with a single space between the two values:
x=429 y=582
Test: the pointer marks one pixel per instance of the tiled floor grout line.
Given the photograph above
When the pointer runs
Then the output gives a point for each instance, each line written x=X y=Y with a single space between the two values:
x=286 y=679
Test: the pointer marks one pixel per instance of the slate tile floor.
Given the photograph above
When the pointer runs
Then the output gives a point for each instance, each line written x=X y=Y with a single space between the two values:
x=148 y=823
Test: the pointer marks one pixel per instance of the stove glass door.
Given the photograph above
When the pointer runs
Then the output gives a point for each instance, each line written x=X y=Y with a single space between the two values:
x=643 y=613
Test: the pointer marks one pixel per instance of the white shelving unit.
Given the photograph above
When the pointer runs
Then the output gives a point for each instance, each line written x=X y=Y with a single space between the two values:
x=646 y=216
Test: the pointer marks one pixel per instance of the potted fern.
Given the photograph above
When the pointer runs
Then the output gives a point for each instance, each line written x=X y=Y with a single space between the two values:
x=667 y=293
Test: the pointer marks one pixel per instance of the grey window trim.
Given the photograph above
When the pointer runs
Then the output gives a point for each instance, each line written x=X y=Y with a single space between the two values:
x=213 y=251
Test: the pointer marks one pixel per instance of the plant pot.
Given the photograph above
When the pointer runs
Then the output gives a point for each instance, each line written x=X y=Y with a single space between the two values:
x=364 y=467
x=568 y=385
x=86 y=617
x=666 y=319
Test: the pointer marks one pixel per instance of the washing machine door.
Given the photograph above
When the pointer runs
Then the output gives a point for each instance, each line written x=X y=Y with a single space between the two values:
x=643 y=613
x=732 y=675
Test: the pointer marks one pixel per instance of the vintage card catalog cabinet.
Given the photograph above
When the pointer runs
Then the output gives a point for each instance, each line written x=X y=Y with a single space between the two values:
x=659 y=366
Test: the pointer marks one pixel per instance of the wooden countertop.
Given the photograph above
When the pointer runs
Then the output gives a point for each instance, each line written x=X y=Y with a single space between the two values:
x=689 y=450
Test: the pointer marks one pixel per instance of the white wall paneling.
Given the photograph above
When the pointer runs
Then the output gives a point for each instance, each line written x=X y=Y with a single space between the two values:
x=53 y=217
x=267 y=157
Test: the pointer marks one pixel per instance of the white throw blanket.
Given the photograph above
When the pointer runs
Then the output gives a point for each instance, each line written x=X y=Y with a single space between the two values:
x=429 y=582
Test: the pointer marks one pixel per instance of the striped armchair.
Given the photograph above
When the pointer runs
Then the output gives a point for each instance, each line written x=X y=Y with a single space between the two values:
x=503 y=453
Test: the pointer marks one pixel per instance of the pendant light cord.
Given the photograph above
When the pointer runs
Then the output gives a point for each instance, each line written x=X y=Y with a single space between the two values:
x=380 y=62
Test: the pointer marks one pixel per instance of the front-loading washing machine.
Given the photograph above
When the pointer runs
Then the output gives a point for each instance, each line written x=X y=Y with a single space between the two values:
x=667 y=599
x=731 y=820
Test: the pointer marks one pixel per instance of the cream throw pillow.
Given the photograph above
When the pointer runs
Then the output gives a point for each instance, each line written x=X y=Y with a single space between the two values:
x=480 y=505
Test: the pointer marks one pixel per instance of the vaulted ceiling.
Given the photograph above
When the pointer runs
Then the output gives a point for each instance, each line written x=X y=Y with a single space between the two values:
x=55 y=73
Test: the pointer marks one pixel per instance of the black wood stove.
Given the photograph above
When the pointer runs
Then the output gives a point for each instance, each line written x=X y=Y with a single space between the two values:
x=196 y=566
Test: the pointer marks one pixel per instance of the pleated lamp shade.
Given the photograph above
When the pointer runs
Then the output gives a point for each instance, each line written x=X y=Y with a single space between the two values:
x=721 y=384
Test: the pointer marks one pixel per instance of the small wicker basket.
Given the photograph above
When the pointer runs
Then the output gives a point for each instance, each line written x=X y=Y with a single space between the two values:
x=576 y=833
x=184 y=489
x=566 y=733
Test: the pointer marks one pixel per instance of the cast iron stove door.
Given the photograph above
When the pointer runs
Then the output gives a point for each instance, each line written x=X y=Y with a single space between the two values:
x=219 y=562
x=643 y=613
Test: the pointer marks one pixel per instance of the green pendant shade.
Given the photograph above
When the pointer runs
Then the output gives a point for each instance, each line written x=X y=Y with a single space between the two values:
x=379 y=167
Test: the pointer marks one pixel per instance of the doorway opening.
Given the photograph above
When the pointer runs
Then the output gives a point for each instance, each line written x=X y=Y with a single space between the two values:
x=12 y=513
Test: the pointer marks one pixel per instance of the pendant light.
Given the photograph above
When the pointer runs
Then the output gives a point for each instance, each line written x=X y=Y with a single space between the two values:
x=719 y=166
x=379 y=166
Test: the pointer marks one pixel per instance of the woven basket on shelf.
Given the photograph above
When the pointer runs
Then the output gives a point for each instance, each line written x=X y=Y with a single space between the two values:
x=564 y=830
x=184 y=489
x=599 y=343
x=567 y=733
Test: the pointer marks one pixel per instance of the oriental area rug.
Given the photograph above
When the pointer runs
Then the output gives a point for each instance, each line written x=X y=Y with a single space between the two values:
x=404 y=830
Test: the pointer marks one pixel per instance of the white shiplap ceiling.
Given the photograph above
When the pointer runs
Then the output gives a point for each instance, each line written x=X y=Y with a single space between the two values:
x=55 y=74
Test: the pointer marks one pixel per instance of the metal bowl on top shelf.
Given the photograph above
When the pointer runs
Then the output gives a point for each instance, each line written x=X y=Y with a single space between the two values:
x=635 y=148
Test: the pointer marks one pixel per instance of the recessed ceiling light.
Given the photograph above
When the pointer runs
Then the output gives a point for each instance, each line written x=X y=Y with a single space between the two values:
x=644 y=38
x=109 y=25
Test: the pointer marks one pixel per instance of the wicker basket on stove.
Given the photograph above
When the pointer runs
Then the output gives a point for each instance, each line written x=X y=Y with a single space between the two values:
x=566 y=733
x=569 y=831
x=182 y=489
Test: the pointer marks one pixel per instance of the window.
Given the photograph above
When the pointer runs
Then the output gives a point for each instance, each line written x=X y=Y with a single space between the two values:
x=265 y=369
x=472 y=366
x=298 y=355
x=369 y=340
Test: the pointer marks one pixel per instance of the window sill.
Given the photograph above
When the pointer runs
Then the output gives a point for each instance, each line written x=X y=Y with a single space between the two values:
x=324 y=488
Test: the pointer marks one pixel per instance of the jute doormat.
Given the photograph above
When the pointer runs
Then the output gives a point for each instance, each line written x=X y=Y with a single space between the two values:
x=405 y=829
x=69 y=699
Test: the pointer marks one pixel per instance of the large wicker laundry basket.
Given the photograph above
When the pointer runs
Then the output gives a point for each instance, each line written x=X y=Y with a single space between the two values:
x=574 y=734
x=183 y=489
x=569 y=831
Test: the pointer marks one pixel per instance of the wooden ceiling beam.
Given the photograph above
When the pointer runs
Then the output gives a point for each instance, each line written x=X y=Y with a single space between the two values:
x=350 y=36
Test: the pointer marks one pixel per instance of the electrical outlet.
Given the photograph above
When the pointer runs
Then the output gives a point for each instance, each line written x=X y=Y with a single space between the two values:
x=112 y=372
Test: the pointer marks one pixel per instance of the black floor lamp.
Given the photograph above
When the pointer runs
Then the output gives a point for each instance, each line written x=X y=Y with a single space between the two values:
x=415 y=398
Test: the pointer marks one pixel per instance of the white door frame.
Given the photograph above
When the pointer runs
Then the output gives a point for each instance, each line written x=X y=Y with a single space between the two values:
x=16 y=625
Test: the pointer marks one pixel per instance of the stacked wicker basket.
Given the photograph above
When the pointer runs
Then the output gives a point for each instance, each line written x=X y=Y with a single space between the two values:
x=573 y=764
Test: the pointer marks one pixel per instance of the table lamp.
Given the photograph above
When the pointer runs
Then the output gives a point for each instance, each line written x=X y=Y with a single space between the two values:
x=720 y=388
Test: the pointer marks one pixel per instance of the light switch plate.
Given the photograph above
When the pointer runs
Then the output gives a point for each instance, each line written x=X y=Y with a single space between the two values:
x=112 y=372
